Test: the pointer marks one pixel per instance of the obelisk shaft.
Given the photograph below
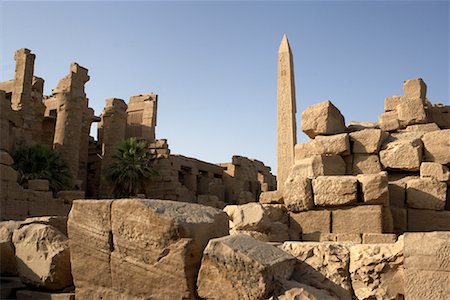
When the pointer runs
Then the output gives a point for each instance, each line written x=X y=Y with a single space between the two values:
x=286 y=123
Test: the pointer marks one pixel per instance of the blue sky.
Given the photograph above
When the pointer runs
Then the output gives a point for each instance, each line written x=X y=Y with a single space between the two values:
x=214 y=64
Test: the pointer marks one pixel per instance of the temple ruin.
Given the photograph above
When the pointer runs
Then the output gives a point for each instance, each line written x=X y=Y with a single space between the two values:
x=359 y=211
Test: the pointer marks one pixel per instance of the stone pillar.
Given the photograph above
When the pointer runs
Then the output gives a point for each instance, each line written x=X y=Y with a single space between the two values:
x=287 y=127
x=71 y=103
x=23 y=79
x=112 y=128
x=141 y=121
x=35 y=118
x=88 y=117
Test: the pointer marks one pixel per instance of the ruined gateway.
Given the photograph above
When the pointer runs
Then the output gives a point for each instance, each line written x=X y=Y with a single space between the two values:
x=360 y=211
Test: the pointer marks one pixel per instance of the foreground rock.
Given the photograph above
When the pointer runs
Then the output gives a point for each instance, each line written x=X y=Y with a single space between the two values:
x=8 y=264
x=141 y=249
x=240 y=267
x=43 y=257
x=376 y=270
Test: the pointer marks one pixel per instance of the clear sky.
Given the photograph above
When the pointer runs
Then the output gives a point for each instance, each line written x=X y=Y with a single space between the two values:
x=214 y=64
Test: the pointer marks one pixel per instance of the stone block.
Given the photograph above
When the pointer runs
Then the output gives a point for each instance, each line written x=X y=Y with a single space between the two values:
x=427 y=251
x=437 y=146
x=428 y=220
x=415 y=88
x=250 y=216
x=397 y=193
x=411 y=111
x=39 y=185
x=376 y=270
x=379 y=238
x=366 y=164
x=5 y=158
x=276 y=213
x=46 y=266
x=337 y=144
x=334 y=190
x=358 y=219
x=240 y=267
x=426 y=194
x=322 y=119
x=428 y=127
x=348 y=159
x=36 y=295
x=313 y=221
x=374 y=188
x=8 y=173
x=318 y=165
x=423 y=284
x=8 y=264
x=356 y=126
x=297 y=192
x=389 y=121
x=400 y=219
x=271 y=197
x=435 y=171
x=439 y=114
x=390 y=103
x=367 y=141
x=402 y=154
x=322 y=265
x=295 y=290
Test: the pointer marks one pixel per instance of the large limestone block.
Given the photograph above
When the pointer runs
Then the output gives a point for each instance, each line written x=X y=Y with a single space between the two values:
x=90 y=239
x=322 y=265
x=367 y=141
x=415 y=88
x=366 y=164
x=337 y=144
x=8 y=265
x=335 y=190
x=250 y=216
x=391 y=103
x=428 y=220
x=322 y=119
x=427 y=251
x=376 y=270
x=435 y=171
x=5 y=158
x=428 y=127
x=58 y=222
x=240 y=267
x=297 y=192
x=400 y=219
x=374 y=188
x=271 y=197
x=426 y=194
x=313 y=221
x=356 y=125
x=296 y=290
x=389 y=121
x=38 y=185
x=318 y=165
x=161 y=242
x=358 y=219
x=437 y=146
x=439 y=114
x=423 y=284
x=43 y=256
x=411 y=111
x=379 y=238
x=402 y=154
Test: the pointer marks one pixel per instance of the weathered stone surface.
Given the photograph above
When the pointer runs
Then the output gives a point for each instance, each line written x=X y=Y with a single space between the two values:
x=337 y=144
x=35 y=295
x=389 y=121
x=322 y=119
x=7 y=252
x=287 y=125
x=58 y=222
x=260 y=236
x=354 y=238
x=296 y=290
x=379 y=238
x=322 y=265
x=160 y=241
x=437 y=146
x=38 y=185
x=334 y=190
x=313 y=221
x=428 y=220
x=411 y=111
x=250 y=216
x=210 y=200
x=423 y=127
x=376 y=270
x=439 y=114
x=400 y=219
x=358 y=219
x=423 y=284
x=435 y=171
x=426 y=194
x=239 y=267
x=374 y=188
x=403 y=154
x=367 y=141
x=271 y=197
x=318 y=165
x=298 y=195
x=415 y=88
x=366 y=164
x=5 y=158
x=391 y=103
x=43 y=258
x=356 y=126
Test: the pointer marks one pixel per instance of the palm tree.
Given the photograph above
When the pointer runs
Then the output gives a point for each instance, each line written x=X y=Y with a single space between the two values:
x=41 y=162
x=131 y=169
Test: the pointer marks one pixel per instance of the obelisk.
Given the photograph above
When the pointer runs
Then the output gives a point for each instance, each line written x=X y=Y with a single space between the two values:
x=286 y=123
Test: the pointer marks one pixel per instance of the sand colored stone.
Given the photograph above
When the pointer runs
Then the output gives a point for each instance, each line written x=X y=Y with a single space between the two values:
x=402 y=154
x=366 y=164
x=319 y=165
x=271 y=197
x=298 y=194
x=415 y=88
x=367 y=141
x=426 y=194
x=358 y=219
x=435 y=171
x=428 y=220
x=337 y=144
x=334 y=190
x=411 y=111
x=322 y=118
x=429 y=127
x=374 y=188
x=250 y=216
x=389 y=121
x=286 y=121
x=437 y=146
x=391 y=103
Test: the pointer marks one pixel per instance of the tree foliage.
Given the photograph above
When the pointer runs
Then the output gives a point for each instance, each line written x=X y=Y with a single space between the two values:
x=41 y=162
